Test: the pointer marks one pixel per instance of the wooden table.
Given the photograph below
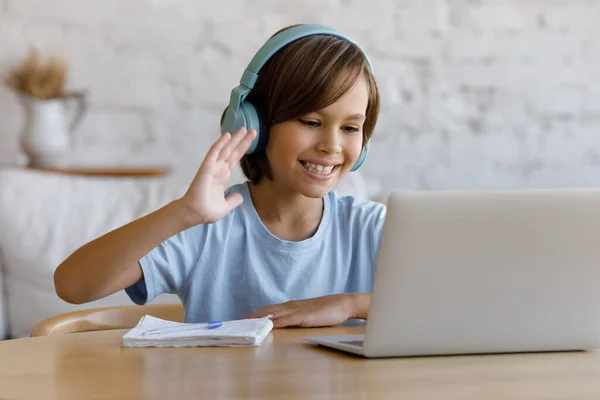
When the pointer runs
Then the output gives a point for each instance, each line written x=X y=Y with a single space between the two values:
x=94 y=366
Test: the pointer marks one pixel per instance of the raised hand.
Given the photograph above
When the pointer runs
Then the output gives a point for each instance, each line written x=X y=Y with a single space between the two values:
x=204 y=201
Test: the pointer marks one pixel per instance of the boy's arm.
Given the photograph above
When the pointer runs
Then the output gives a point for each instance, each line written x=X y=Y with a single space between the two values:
x=111 y=262
x=361 y=302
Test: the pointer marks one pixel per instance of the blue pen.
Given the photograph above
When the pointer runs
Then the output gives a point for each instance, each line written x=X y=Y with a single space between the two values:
x=183 y=328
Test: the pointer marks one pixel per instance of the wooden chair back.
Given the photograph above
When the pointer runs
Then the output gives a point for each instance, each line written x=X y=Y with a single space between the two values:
x=97 y=319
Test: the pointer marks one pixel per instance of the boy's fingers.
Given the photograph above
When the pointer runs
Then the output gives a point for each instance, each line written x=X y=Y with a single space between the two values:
x=268 y=310
x=215 y=149
x=282 y=312
x=233 y=201
x=294 y=319
x=241 y=149
x=235 y=140
x=259 y=314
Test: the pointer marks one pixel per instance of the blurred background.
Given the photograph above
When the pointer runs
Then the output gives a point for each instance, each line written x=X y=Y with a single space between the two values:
x=476 y=93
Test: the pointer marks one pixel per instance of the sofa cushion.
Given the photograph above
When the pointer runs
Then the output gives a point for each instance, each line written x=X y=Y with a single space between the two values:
x=44 y=217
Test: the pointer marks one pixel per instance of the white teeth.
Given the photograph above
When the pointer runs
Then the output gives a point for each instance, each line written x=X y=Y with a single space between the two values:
x=318 y=169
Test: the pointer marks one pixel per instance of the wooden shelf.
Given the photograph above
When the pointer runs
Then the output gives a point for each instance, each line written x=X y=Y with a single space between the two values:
x=107 y=171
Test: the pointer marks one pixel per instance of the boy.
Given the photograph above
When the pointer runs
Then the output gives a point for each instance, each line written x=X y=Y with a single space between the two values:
x=282 y=243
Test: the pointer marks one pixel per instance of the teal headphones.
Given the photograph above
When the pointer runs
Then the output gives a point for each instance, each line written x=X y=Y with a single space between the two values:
x=242 y=113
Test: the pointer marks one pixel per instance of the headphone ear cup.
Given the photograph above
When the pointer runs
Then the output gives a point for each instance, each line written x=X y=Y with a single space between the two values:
x=255 y=117
x=361 y=158
x=231 y=121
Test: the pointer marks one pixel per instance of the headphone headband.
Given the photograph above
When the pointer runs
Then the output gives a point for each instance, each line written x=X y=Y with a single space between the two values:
x=282 y=39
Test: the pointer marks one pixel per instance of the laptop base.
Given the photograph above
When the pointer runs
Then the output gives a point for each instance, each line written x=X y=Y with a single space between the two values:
x=348 y=343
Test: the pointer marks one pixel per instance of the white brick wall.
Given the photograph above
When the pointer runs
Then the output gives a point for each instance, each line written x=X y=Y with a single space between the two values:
x=476 y=93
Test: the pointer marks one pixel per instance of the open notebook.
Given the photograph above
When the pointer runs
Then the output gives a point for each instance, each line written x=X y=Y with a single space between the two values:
x=155 y=332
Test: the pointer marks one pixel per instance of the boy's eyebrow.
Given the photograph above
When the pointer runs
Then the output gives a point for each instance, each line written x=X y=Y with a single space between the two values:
x=352 y=116
x=357 y=116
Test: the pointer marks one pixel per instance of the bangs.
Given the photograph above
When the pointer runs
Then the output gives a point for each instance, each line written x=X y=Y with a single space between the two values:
x=318 y=72
x=339 y=83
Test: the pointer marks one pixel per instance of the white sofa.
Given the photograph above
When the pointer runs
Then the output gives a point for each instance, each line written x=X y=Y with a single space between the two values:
x=45 y=216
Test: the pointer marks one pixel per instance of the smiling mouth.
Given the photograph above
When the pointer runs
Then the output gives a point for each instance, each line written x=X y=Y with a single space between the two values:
x=319 y=169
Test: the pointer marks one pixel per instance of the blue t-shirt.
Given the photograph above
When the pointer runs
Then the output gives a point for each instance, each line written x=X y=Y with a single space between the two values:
x=235 y=266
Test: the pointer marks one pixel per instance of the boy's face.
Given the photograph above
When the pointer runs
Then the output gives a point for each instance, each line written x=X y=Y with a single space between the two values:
x=311 y=154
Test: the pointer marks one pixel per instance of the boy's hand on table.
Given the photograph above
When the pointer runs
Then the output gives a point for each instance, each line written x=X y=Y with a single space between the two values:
x=320 y=311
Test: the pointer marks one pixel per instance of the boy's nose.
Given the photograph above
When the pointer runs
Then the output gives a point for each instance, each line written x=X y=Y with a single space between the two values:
x=330 y=142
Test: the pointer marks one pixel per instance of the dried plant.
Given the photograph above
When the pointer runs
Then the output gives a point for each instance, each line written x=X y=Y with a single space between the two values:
x=41 y=80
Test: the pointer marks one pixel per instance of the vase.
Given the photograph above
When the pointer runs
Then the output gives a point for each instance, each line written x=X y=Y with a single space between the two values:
x=48 y=128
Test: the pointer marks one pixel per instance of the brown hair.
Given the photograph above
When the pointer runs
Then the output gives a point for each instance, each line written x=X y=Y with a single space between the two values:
x=305 y=76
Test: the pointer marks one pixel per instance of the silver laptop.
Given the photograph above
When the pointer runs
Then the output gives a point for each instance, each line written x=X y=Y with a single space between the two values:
x=484 y=272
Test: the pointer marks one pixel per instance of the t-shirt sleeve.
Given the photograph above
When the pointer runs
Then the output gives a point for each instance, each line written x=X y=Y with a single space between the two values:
x=167 y=267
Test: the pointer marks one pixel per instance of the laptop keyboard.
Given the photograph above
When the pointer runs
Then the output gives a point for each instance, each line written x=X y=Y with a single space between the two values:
x=357 y=343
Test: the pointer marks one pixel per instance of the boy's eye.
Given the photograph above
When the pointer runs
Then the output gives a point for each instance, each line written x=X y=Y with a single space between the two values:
x=351 y=129
x=309 y=123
